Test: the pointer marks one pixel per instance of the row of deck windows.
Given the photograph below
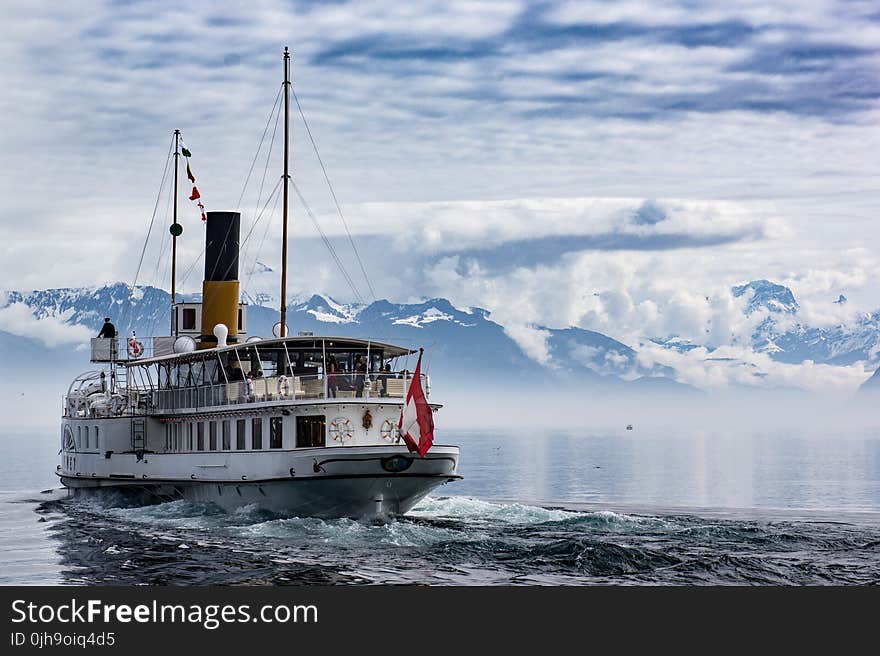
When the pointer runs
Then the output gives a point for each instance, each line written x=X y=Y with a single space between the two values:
x=86 y=441
x=238 y=434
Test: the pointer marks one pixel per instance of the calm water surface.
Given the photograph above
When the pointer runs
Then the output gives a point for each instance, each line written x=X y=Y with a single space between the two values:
x=556 y=508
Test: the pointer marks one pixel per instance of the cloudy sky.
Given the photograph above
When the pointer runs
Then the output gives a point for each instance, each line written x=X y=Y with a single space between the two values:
x=612 y=165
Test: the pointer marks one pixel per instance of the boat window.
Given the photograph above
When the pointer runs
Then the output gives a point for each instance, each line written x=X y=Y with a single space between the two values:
x=227 y=440
x=310 y=431
x=97 y=445
x=200 y=436
x=178 y=436
x=240 y=428
x=86 y=436
x=275 y=432
x=257 y=433
x=212 y=374
x=189 y=318
x=189 y=431
x=212 y=435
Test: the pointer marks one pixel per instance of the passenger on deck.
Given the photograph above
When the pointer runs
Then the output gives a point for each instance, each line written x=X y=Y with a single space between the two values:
x=383 y=378
x=332 y=376
x=108 y=330
x=360 y=373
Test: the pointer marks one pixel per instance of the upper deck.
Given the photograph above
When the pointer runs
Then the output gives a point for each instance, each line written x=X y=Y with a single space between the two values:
x=276 y=371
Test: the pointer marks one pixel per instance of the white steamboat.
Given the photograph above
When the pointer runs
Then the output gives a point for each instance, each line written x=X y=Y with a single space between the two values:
x=306 y=425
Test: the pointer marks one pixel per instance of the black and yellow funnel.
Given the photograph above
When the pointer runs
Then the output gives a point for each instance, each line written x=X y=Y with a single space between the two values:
x=220 y=289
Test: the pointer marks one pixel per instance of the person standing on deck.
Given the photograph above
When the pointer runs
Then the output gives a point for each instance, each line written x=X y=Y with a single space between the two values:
x=332 y=376
x=360 y=373
x=108 y=330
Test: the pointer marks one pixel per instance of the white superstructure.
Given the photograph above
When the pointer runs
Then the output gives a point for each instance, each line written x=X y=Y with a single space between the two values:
x=259 y=422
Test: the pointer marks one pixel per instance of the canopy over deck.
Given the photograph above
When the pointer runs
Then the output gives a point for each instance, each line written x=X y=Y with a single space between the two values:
x=299 y=342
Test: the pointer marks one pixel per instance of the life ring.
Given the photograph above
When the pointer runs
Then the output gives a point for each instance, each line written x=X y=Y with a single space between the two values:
x=340 y=429
x=388 y=431
x=135 y=348
x=283 y=386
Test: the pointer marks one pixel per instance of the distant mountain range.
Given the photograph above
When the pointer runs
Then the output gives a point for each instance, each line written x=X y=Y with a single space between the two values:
x=464 y=342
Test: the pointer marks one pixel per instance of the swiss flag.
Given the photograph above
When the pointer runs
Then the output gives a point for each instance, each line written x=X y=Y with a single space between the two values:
x=416 y=422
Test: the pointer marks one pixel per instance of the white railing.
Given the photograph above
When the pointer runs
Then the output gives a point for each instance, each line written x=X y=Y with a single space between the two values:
x=286 y=388
x=128 y=349
x=135 y=401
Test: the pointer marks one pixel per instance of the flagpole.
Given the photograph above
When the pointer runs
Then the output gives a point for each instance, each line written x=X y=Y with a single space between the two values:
x=282 y=332
x=174 y=230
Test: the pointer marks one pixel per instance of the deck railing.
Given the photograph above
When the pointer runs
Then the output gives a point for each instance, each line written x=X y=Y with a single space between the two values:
x=133 y=402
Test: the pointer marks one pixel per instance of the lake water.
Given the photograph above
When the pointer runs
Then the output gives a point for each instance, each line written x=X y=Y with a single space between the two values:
x=538 y=508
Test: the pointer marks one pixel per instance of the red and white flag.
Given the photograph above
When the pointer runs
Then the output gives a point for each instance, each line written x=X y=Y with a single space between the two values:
x=416 y=422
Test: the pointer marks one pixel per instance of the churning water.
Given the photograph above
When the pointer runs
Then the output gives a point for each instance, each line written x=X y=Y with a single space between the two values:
x=555 y=509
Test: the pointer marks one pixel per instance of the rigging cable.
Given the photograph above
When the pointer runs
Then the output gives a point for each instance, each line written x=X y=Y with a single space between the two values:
x=333 y=194
x=149 y=231
x=265 y=232
x=328 y=244
x=257 y=154
x=260 y=196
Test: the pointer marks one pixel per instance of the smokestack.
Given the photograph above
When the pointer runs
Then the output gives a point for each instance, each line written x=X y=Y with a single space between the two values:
x=220 y=289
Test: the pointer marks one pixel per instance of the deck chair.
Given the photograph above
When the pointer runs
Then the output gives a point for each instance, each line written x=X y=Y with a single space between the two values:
x=395 y=387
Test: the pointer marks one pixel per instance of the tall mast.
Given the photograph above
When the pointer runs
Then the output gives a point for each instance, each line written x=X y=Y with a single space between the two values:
x=175 y=230
x=283 y=328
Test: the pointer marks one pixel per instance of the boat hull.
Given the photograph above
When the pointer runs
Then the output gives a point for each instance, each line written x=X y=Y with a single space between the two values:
x=364 y=483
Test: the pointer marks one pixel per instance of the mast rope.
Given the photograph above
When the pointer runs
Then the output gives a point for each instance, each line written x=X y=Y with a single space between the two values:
x=244 y=251
x=260 y=247
x=333 y=194
x=328 y=244
x=257 y=154
x=146 y=239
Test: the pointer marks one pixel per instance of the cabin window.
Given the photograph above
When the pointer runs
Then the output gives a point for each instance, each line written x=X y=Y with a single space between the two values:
x=200 y=436
x=310 y=431
x=257 y=433
x=240 y=429
x=276 y=432
x=189 y=441
x=86 y=436
x=189 y=319
x=227 y=439
x=97 y=445
x=78 y=437
x=178 y=436
x=212 y=435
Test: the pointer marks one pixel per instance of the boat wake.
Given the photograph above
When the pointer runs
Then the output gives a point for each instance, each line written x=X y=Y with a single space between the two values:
x=448 y=541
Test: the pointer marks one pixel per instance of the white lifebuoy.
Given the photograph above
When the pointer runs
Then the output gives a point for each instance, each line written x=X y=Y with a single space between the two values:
x=135 y=348
x=283 y=386
x=340 y=429
x=388 y=430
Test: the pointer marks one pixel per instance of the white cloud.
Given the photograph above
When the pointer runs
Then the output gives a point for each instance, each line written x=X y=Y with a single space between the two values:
x=17 y=319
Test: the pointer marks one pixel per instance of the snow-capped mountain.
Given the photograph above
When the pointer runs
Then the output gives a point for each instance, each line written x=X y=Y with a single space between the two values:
x=458 y=340
x=786 y=339
x=766 y=295
x=461 y=341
